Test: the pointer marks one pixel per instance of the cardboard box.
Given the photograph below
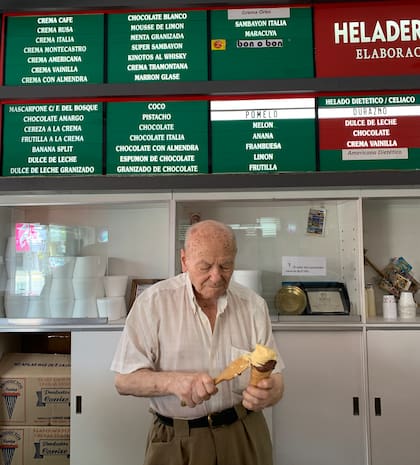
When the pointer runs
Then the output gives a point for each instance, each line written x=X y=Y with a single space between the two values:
x=35 y=389
x=35 y=445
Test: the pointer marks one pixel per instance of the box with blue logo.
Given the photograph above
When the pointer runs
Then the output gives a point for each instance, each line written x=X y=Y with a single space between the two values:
x=35 y=445
x=35 y=389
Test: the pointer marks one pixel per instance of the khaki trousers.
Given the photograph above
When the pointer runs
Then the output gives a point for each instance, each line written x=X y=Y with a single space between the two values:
x=245 y=442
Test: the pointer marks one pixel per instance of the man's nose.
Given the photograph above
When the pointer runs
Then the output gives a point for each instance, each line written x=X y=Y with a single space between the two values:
x=215 y=274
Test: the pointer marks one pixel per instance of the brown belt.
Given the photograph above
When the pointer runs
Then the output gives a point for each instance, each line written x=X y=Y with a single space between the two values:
x=225 y=417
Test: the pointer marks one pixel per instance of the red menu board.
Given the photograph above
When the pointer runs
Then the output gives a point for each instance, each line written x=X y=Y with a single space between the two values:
x=367 y=39
x=369 y=132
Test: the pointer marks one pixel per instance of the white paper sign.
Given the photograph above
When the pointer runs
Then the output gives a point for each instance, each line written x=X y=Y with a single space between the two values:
x=304 y=266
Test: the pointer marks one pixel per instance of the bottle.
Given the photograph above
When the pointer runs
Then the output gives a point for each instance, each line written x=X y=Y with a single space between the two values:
x=389 y=307
x=370 y=298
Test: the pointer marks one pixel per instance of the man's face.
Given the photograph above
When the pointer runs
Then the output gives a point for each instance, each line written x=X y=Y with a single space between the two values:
x=210 y=266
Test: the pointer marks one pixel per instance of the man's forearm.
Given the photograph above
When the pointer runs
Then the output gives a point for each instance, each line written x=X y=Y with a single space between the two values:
x=144 y=383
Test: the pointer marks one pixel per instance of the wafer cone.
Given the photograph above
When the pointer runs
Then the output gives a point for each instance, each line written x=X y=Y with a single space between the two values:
x=257 y=375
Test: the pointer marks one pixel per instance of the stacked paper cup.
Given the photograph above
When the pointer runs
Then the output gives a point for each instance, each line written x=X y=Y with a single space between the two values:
x=3 y=282
x=61 y=296
x=39 y=304
x=15 y=301
x=407 y=306
x=88 y=285
x=113 y=306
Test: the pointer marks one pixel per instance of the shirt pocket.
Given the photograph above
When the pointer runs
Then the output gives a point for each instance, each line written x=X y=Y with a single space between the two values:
x=240 y=383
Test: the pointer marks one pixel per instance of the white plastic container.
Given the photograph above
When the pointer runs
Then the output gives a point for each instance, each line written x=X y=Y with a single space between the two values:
x=389 y=307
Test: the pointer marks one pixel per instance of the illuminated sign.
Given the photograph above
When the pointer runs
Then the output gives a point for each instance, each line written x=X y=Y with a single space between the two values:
x=261 y=43
x=263 y=136
x=367 y=40
x=157 y=46
x=52 y=139
x=157 y=137
x=369 y=132
x=54 y=49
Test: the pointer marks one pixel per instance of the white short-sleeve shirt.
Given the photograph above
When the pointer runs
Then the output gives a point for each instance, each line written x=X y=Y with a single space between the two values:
x=167 y=331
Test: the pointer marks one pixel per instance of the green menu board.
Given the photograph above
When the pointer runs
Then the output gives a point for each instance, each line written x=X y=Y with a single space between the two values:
x=263 y=136
x=54 y=49
x=52 y=139
x=157 y=46
x=157 y=137
x=261 y=43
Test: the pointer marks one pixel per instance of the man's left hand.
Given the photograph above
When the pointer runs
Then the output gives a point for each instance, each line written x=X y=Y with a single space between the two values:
x=267 y=393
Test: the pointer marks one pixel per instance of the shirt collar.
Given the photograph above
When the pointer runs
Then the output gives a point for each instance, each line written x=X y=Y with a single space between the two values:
x=221 y=302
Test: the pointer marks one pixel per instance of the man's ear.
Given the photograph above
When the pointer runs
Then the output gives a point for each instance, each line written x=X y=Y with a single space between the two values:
x=183 y=261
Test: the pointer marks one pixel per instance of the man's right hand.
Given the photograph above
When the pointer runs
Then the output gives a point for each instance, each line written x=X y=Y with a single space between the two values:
x=193 y=388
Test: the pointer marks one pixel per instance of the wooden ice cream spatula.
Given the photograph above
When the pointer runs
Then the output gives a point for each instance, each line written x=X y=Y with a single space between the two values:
x=235 y=368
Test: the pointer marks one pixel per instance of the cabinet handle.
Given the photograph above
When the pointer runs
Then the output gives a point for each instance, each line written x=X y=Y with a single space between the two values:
x=356 y=410
x=78 y=404
x=378 y=407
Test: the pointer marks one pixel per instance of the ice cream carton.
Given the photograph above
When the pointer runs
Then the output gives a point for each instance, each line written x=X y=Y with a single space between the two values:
x=35 y=445
x=35 y=389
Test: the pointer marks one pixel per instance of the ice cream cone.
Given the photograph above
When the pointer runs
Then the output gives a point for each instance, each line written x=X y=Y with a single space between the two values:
x=257 y=375
x=263 y=361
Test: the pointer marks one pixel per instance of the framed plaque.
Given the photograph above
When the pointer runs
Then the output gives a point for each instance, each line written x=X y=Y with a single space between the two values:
x=325 y=298
x=138 y=286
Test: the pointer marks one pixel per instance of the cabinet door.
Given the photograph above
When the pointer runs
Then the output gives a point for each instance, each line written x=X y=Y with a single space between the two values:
x=394 y=386
x=110 y=428
x=320 y=420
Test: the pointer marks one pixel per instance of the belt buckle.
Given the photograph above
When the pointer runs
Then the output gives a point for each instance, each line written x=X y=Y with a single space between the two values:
x=210 y=420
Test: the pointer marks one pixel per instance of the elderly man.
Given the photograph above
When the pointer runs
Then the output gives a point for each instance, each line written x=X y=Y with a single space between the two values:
x=179 y=335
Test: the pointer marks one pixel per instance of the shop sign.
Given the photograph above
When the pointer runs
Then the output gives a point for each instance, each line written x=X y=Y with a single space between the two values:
x=367 y=39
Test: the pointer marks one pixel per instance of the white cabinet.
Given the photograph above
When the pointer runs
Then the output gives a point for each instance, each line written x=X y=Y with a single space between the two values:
x=106 y=428
x=394 y=386
x=321 y=418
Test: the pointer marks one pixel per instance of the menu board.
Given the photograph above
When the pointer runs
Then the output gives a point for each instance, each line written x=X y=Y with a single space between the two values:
x=263 y=136
x=369 y=132
x=367 y=39
x=52 y=139
x=157 y=137
x=54 y=49
x=157 y=46
x=261 y=43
